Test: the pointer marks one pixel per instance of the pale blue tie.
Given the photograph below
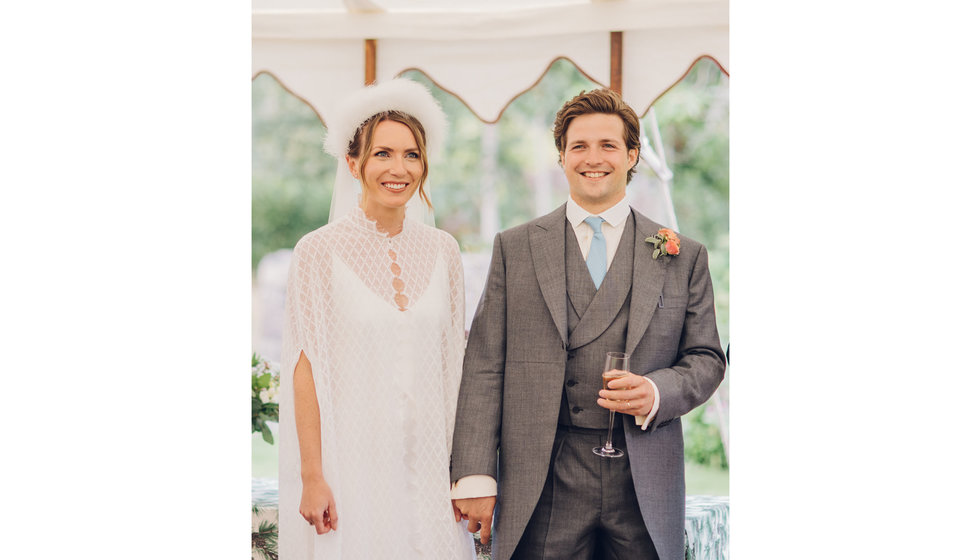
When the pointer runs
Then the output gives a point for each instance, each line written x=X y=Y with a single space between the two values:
x=596 y=261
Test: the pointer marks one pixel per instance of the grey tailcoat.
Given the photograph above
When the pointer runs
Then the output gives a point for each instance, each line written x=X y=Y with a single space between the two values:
x=514 y=369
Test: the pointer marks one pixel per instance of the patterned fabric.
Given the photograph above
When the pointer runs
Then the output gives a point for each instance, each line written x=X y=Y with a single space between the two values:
x=706 y=527
x=386 y=384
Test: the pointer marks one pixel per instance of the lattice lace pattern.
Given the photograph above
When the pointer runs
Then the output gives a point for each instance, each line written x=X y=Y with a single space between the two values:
x=386 y=383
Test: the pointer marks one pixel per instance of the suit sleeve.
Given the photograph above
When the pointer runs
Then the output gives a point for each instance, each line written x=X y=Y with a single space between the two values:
x=477 y=434
x=700 y=364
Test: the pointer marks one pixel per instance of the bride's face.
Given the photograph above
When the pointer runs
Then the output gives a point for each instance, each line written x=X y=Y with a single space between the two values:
x=392 y=168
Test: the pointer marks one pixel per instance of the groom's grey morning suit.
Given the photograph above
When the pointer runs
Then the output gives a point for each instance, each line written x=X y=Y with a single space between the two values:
x=535 y=353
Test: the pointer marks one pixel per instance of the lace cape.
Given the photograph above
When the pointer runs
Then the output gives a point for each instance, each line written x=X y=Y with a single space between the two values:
x=386 y=384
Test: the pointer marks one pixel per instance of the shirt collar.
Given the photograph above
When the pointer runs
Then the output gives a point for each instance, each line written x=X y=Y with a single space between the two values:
x=614 y=216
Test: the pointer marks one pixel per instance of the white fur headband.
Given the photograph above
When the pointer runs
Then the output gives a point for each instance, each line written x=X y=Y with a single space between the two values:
x=399 y=94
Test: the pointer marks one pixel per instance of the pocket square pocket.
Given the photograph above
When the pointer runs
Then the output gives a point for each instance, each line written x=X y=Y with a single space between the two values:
x=671 y=300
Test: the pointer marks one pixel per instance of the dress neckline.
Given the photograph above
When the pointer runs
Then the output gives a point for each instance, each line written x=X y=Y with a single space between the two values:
x=365 y=223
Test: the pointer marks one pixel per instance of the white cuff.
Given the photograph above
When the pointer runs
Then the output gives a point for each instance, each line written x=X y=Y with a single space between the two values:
x=474 y=486
x=644 y=421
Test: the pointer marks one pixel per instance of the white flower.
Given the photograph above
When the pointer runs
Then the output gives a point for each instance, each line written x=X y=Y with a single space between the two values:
x=264 y=395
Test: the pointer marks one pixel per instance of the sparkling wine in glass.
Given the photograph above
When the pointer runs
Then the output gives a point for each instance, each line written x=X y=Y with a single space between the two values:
x=617 y=365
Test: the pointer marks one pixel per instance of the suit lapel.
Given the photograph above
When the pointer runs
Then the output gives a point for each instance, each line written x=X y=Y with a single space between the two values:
x=608 y=301
x=547 y=241
x=648 y=282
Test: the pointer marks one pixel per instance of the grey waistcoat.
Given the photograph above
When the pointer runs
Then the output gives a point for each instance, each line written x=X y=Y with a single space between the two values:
x=583 y=370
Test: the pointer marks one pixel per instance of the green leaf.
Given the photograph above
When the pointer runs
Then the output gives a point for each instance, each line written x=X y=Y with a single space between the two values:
x=266 y=433
x=266 y=539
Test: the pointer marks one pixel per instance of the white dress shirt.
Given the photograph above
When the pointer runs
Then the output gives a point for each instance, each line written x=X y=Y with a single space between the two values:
x=614 y=222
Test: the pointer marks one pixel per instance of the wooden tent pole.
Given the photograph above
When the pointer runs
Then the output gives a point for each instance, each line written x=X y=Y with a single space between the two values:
x=616 y=61
x=370 y=61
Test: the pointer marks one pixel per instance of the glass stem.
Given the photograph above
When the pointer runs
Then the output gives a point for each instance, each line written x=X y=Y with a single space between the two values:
x=612 y=416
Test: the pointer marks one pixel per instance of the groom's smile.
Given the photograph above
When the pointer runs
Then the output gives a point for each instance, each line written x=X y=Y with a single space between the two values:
x=596 y=161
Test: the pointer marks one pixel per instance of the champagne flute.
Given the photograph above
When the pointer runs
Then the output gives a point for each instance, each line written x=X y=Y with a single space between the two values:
x=617 y=365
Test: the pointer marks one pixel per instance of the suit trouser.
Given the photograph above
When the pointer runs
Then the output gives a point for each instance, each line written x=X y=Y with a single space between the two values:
x=588 y=508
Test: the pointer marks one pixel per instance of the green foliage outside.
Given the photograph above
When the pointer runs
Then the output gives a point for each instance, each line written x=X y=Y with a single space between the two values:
x=292 y=178
x=702 y=440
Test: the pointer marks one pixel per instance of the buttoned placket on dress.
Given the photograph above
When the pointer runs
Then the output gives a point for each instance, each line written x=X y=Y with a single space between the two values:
x=401 y=300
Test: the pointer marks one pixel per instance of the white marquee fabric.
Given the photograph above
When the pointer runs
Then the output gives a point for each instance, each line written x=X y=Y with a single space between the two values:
x=485 y=53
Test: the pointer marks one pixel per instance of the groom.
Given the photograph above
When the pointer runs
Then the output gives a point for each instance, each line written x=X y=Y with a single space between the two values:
x=563 y=290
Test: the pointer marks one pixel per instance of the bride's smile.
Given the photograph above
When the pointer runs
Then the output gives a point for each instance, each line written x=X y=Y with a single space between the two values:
x=393 y=169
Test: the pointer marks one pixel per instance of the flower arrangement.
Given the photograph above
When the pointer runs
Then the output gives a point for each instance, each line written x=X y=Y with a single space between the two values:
x=265 y=396
x=665 y=242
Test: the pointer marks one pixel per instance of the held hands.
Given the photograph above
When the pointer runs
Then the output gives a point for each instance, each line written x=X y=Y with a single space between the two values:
x=317 y=506
x=479 y=513
x=631 y=394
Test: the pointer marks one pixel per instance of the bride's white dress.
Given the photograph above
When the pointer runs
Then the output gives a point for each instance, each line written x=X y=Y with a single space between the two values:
x=386 y=383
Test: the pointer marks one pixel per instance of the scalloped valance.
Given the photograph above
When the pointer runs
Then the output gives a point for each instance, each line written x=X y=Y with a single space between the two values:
x=485 y=56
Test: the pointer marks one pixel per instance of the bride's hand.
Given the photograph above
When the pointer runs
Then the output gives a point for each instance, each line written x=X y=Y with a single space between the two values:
x=317 y=506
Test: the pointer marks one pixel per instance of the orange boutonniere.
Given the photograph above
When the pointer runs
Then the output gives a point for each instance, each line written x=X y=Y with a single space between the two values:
x=665 y=242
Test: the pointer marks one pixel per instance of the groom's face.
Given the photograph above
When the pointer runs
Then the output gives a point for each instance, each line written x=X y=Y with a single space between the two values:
x=596 y=161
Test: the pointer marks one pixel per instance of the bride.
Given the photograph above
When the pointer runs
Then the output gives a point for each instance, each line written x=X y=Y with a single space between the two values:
x=373 y=337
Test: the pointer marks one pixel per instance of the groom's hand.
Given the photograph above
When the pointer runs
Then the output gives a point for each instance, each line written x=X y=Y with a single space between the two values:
x=479 y=513
x=630 y=394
